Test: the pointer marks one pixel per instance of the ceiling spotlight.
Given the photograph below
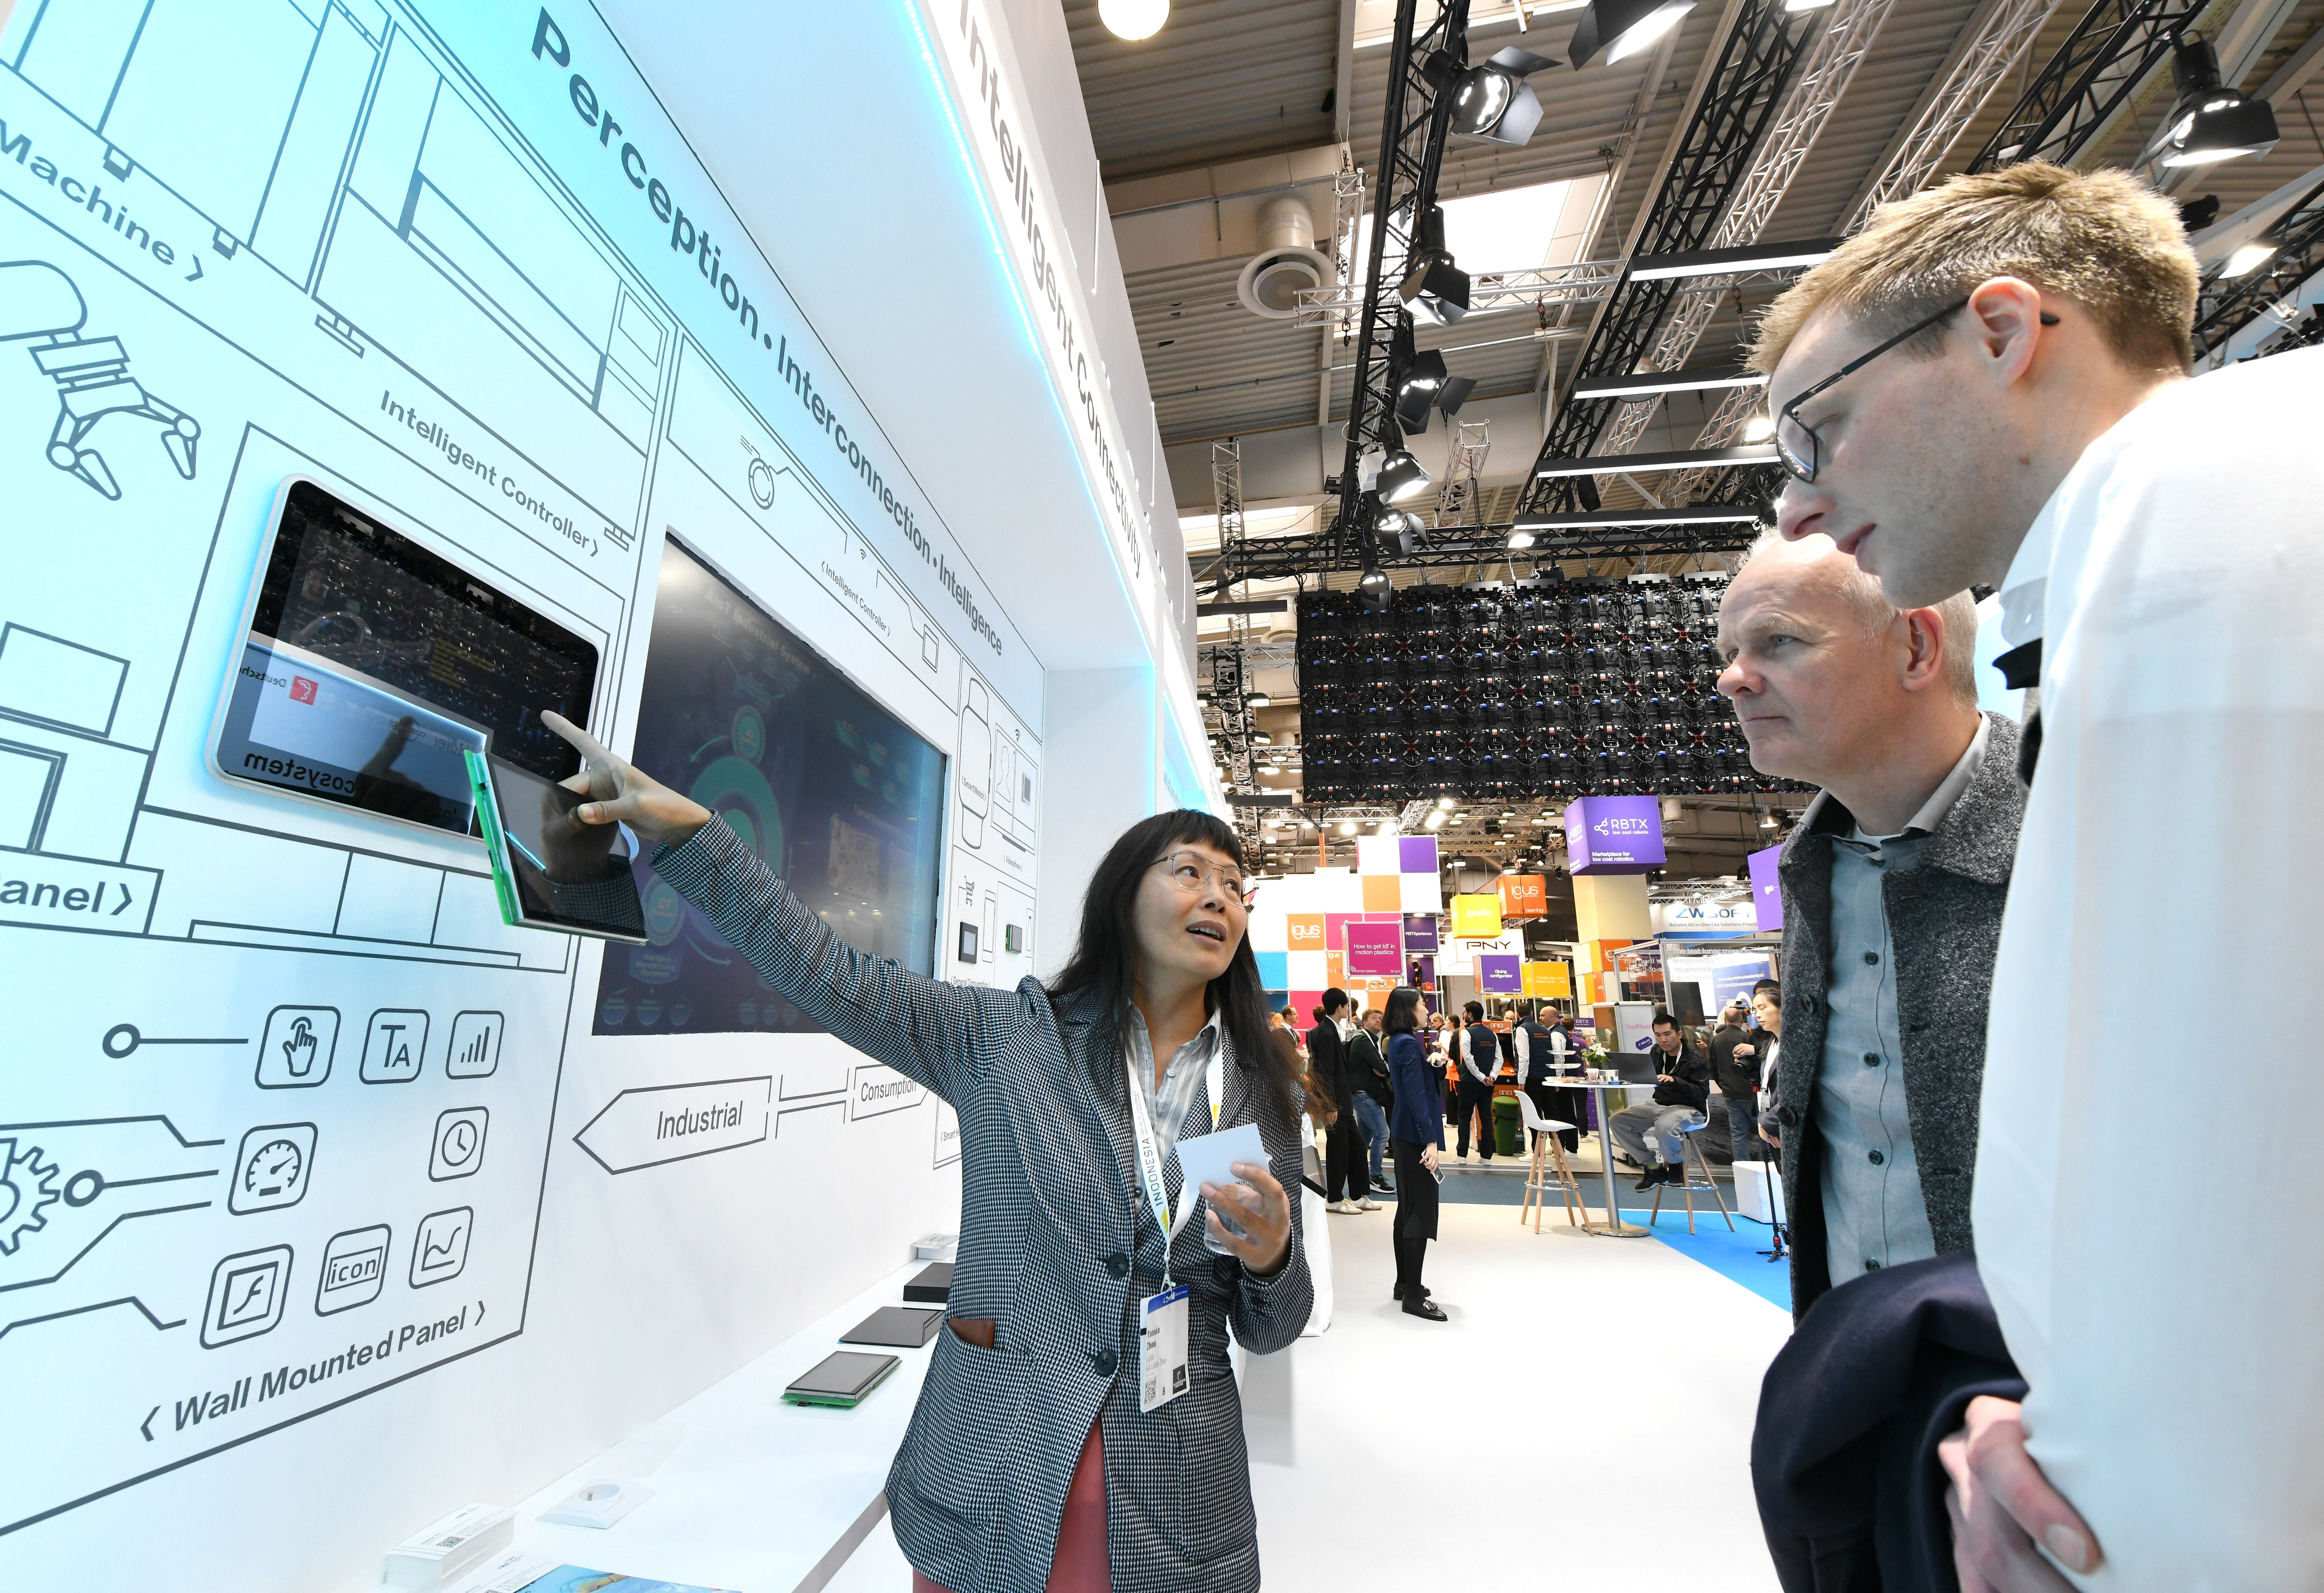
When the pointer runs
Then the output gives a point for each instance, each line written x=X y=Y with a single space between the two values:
x=1259 y=699
x=1520 y=539
x=1260 y=738
x=1623 y=28
x=1417 y=389
x=1445 y=801
x=1133 y=18
x=1758 y=428
x=1434 y=821
x=1307 y=823
x=1347 y=826
x=1429 y=273
x=1493 y=104
x=1397 y=531
x=1767 y=821
x=2211 y=122
x=1400 y=475
x=1375 y=590
x=2247 y=259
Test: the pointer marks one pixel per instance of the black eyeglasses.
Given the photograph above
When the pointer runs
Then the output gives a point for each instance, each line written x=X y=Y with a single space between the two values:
x=1797 y=445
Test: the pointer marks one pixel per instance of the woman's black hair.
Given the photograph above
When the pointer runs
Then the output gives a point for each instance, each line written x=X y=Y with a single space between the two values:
x=1403 y=1009
x=1103 y=967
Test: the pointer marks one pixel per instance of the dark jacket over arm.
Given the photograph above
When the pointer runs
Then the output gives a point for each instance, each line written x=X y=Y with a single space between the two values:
x=1691 y=1072
x=1327 y=1054
x=1945 y=921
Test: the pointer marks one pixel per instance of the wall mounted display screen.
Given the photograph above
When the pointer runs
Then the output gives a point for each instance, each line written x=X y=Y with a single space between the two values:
x=371 y=667
x=841 y=799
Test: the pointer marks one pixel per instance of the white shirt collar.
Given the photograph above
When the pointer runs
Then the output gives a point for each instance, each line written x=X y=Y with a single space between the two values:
x=2026 y=587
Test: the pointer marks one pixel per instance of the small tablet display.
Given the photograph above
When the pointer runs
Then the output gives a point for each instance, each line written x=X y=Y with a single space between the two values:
x=904 y=1326
x=369 y=667
x=842 y=1378
x=551 y=871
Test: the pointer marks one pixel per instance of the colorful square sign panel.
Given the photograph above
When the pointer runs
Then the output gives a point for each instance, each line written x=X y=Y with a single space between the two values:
x=1500 y=974
x=1376 y=948
x=1614 y=835
x=1766 y=895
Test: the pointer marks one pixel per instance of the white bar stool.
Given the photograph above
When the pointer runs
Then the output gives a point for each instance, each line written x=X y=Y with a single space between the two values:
x=1550 y=1168
x=1687 y=1146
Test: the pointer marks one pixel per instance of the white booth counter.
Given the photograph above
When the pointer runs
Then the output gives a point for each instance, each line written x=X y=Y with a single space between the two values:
x=753 y=1493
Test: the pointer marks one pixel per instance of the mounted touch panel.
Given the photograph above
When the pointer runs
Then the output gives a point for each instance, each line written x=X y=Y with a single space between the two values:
x=370 y=667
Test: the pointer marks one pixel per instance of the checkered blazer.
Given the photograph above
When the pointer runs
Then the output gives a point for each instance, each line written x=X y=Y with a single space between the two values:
x=1056 y=1247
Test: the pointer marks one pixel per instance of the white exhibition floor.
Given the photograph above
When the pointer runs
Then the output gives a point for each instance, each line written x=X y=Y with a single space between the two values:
x=1584 y=1419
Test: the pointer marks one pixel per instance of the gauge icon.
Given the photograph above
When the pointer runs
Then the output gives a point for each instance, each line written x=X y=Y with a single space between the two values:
x=272 y=1167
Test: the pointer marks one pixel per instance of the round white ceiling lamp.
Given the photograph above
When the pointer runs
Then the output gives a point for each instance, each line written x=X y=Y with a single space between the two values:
x=1133 y=18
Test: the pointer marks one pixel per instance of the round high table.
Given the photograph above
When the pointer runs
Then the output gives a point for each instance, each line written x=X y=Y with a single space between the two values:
x=1615 y=1227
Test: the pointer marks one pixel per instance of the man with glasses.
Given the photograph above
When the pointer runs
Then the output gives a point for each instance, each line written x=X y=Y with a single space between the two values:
x=1987 y=387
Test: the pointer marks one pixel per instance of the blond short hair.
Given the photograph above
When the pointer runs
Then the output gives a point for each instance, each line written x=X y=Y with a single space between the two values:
x=1870 y=607
x=2103 y=239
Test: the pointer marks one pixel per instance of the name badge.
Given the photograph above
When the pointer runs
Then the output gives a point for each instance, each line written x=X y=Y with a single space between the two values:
x=1162 y=1348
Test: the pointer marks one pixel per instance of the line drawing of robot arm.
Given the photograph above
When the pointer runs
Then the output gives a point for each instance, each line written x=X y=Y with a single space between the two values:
x=38 y=300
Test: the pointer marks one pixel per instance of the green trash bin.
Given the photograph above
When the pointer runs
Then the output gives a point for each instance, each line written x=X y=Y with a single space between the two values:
x=1509 y=1127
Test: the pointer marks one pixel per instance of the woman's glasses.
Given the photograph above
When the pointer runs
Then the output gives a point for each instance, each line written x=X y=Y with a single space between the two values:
x=1190 y=871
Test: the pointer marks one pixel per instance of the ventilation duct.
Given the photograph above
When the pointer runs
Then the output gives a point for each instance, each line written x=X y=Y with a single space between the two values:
x=1286 y=263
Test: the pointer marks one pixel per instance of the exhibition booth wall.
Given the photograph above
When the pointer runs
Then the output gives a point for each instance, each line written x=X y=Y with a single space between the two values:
x=735 y=349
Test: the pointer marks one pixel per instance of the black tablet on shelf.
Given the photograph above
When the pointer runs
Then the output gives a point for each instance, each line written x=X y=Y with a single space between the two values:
x=368 y=667
x=904 y=1326
x=841 y=1379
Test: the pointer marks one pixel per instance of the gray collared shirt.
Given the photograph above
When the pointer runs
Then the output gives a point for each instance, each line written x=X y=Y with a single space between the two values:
x=1169 y=1105
x=1873 y=1212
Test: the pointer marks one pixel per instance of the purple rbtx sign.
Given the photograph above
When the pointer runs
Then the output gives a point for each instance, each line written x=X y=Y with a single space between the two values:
x=1614 y=835
x=1766 y=895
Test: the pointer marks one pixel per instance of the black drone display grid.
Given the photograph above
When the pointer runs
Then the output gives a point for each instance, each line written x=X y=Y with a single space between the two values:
x=1536 y=690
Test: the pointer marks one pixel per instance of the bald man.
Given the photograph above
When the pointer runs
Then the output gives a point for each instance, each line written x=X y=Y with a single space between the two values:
x=1893 y=889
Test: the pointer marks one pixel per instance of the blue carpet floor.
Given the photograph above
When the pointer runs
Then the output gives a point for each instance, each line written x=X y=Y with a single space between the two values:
x=1733 y=1256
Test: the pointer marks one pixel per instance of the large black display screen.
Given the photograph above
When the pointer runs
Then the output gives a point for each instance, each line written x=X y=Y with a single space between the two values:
x=834 y=791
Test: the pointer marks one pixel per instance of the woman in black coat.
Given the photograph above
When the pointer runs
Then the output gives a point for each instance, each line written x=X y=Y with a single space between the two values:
x=1416 y=1133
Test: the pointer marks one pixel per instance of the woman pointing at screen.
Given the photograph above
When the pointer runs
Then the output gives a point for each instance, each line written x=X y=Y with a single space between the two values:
x=1039 y=1456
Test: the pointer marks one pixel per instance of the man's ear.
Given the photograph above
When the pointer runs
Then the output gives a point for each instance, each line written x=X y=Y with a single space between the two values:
x=2005 y=321
x=1925 y=649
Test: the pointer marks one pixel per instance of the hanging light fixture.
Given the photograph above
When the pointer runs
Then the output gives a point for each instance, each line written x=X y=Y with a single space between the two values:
x=1493 y=102
x=1429 y=273
x=1133 y=18
x=1375 y=590
x=1400 y=475
x=2211 y=122
x=2247 y=259
x=1623 y=28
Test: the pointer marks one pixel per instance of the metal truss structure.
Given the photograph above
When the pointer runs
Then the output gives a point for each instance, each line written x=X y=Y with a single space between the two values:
x=1461 y=498
x=1736 y=109
x=2087 y=83
x=1412 y=155
x=2003 y=38
x=2227 y=306
x=1823 y=76
x=1230 y=669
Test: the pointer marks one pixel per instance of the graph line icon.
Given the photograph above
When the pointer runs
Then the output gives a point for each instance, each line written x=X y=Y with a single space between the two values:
x=440 y=1248
x=247 y=1291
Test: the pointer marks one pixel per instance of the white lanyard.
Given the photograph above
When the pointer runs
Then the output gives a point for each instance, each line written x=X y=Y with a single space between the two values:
x=1149 y=1167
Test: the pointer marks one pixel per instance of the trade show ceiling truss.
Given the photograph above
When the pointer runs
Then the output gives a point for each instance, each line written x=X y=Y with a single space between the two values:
x=2076 y=98
x=2231 y=315
x=1737 y=106
x=1230 y=661
x=1411 y=155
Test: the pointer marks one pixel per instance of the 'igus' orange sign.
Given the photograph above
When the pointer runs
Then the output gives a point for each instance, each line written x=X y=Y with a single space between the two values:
x=1306 y=931
x=1524 y=896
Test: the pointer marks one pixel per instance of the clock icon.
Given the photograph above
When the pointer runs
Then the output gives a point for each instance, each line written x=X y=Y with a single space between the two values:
x=275 y=1168
x=458 y=1148
x=272 y=1166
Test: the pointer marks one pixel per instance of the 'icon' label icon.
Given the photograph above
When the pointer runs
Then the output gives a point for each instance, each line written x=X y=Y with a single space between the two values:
x=458 y=1150
x=440 y=1248
x=394 y=1046
x=297 y=1052
x=247 y=1295
x=272 y=1168
x=355 y=1267
x=475 y=1049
